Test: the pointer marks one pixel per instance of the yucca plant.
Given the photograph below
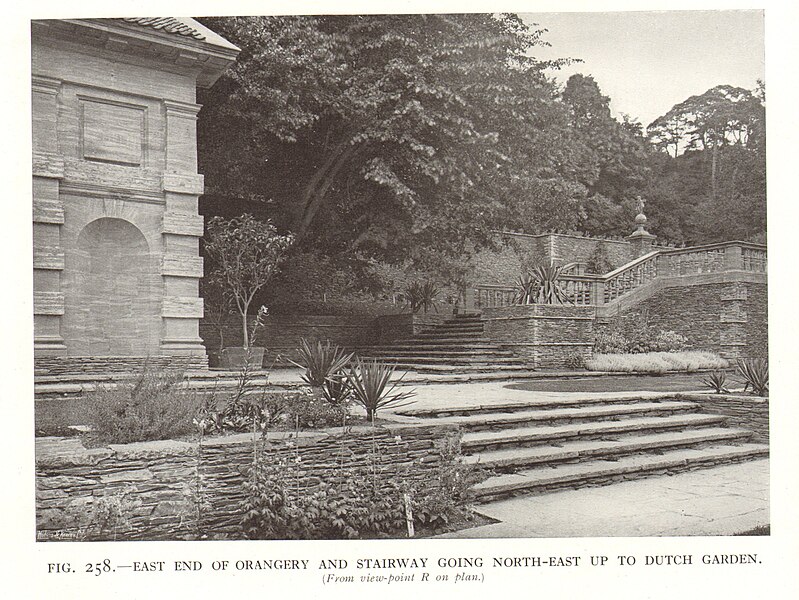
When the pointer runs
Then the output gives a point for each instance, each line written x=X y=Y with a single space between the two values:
x=547 y=288
x=372 y=388
x=525 y=289
x=321 y=362
x=421 y=296
x=716 y=380
x=337 y=388
x=754 y=372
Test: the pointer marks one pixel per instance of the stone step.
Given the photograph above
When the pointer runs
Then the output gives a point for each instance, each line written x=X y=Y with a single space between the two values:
x=451 y=353
x=435 y=346
x=475 y=441
x=545 y=479
x=423 y=359
x=460 y=342
x=536 y=404
x=485 y=367
x=570 y=415
x=449 y=336
x=581 y=450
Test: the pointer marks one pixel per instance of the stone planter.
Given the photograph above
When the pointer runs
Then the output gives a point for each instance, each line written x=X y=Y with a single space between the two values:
x=237 y=357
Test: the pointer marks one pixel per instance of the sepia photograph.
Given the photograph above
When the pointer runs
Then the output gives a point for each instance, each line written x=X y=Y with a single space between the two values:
x=395 y=276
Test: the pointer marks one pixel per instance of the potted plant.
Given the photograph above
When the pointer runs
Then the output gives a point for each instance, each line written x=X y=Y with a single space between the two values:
x=245 y=253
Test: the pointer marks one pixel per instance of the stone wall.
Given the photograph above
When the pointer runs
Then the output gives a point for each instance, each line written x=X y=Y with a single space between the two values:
x=746 y=412
x=545 y=335
x=728 y=318
x=96 y=365
x=517 y=252
x=155 y=489
x=282 y=334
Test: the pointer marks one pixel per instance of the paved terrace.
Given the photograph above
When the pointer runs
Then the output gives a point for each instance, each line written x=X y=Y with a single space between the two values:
x=723 y=500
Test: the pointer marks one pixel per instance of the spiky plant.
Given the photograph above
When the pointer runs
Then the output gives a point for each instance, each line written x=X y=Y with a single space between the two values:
x=754 y=372
x=372 y=387
x=421 y=296
x=716 y=380
x=525 y=289
x=320 y=361
x=548 y=290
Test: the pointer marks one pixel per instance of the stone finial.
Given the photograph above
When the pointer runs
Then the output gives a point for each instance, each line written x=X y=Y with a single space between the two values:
x=641 y=235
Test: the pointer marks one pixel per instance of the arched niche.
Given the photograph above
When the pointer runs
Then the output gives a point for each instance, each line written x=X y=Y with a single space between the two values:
x=113 y=309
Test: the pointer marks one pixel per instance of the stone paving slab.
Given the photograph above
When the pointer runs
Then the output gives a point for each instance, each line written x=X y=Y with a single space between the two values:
x=724 y=500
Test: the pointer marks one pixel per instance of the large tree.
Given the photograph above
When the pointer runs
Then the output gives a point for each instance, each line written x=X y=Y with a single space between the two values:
x=390 y=136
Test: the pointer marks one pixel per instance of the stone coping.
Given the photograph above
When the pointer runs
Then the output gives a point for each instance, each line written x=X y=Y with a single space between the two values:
x=71 y=451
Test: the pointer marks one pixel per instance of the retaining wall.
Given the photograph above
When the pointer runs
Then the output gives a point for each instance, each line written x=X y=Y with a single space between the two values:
x=544 y=335
x=745 y=412
x=174 y=490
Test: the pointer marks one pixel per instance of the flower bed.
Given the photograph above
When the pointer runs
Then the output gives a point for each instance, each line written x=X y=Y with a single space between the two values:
x=656 y=362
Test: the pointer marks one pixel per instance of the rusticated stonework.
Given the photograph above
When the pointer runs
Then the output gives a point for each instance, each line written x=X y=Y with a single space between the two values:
x=115 y=187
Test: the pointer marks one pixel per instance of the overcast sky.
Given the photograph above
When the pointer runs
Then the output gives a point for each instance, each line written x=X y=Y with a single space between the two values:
x=649 y=61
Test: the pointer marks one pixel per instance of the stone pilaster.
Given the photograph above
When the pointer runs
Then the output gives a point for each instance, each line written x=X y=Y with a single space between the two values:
x=48 y=217
x=181 y=267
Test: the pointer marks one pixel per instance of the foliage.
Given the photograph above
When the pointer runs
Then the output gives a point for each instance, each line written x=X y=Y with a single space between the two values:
x=715 y=380
x=656 y=362
x=547 y=287
x=632 y=334
x=307 y=412
x=598 y=262
x=246 y=254
x=526 y=287
x=574 y=360
x=337 y=389
x=754 y=372
x=388 y=135
x=356 y=501
x=321 y=361
x=155 y=406
x=421 y=296
x=372 y=387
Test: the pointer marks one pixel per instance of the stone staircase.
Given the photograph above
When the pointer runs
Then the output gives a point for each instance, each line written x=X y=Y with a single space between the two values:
x=535 y=447
x=457 y=346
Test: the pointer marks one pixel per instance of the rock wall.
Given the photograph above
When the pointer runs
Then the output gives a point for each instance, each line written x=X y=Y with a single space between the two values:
x=183 y=490
x=745 y=412
x=546 y=335
x=728 y=318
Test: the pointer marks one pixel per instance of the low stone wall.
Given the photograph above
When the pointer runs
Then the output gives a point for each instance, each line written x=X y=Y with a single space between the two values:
x=283 y=334
x=94 y=365
x=180 y=490
x=747 y=412
x=545 y=335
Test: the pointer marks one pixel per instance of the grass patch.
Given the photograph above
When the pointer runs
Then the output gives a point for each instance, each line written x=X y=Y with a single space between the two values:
x=656 y=362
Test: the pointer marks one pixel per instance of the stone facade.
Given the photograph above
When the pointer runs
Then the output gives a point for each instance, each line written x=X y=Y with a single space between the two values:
x=115 y=185
x=180 y=490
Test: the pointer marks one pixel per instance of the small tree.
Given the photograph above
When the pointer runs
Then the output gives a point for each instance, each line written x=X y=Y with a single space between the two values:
x=246 y=253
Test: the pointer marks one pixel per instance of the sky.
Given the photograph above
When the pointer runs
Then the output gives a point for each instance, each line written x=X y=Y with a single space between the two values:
x=649 y=61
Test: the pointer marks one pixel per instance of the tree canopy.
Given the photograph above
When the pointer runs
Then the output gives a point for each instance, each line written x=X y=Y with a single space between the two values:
x=408 y=139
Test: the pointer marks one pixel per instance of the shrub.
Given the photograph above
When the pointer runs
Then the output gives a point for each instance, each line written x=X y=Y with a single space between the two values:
x=370 y=387
x=715 y=381
x=321 y=362
x=154 y=406
x=754 y=372
x=656 y=362
x=421 y=296
x=356 y=502
x=306 y=412
x=637 y=340
x=574 y=360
